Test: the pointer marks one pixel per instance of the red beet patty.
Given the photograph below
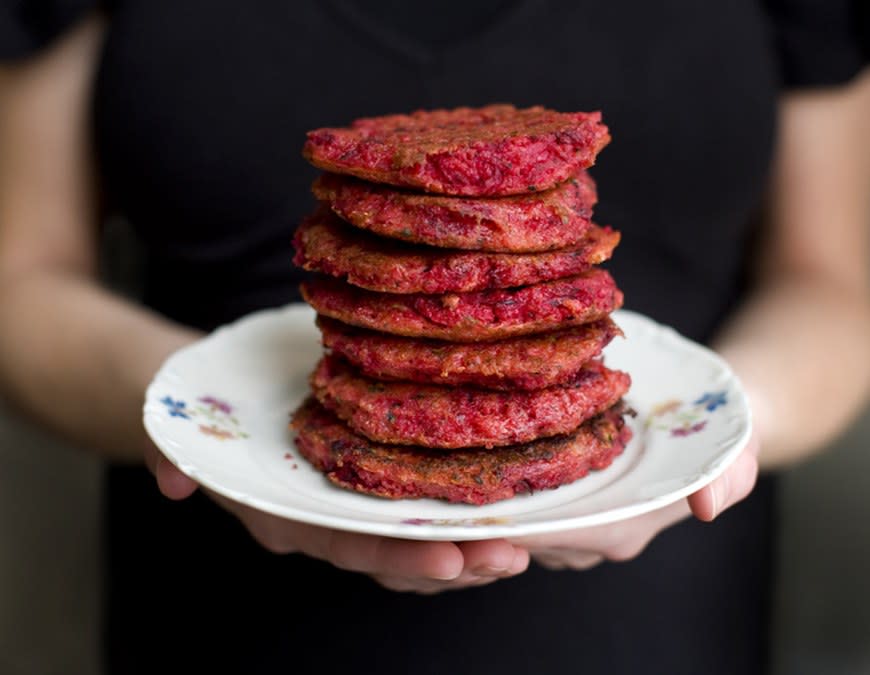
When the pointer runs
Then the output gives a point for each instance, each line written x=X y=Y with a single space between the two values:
x=325 y=244
x=473 y=476
x=492 y=151
x=526 y=223
x=470 y=317
x=527 y=362
x=460 y=417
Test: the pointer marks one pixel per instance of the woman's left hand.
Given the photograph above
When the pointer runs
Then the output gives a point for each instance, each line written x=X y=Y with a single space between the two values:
x=624 y=540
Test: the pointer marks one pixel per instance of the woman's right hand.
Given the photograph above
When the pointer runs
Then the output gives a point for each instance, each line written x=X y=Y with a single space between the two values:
x=397 y=564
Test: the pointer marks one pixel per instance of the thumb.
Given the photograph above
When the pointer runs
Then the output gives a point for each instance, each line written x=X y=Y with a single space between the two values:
x=729 y=488
x=170 y=481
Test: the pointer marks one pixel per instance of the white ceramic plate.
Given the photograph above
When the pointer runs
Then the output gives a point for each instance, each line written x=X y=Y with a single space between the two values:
x=219 y=410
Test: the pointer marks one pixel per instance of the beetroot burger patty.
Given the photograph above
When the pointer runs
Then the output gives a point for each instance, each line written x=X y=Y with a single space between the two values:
x=455 y=417
x=473 y=476
x=470 y=317
x=527 y=362
x=491 y=151
x=526 y=223
x=325 y=244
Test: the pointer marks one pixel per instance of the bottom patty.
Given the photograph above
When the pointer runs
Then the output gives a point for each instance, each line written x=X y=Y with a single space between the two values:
x=459 y=417
x=474 y=476
x=525 y=362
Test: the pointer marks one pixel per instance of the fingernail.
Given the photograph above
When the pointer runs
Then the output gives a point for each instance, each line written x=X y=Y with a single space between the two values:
x=444 y=576
x=488 y=571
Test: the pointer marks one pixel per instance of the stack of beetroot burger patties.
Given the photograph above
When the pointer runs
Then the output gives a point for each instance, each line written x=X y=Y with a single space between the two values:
x=460 y=305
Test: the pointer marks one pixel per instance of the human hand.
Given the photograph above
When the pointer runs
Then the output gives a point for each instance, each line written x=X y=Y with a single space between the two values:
x=397 y=564
x=624 y=540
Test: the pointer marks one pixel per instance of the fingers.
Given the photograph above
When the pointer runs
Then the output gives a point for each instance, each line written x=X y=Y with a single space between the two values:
x=416 y=566
x=430 y=586
x=410 y=560
x=574 y=560
x=439 y=560
x=731 y=487
x=484 y=563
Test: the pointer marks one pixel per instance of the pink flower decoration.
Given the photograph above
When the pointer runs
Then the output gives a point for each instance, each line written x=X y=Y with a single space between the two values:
x=217 y=404
x=688 y=430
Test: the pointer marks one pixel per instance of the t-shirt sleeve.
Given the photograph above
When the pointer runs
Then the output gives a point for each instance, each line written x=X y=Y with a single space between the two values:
x=820 y=42
x=29 y=25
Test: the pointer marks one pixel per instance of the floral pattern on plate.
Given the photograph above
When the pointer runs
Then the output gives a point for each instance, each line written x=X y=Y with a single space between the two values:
x=214 y=416
x=684 y=419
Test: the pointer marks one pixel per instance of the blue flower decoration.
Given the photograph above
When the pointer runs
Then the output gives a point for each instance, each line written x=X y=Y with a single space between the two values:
x=712 y=401
x=175 y=408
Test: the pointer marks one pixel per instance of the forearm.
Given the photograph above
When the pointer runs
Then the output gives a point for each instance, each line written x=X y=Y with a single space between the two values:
x=78 y=359
x=800 y=346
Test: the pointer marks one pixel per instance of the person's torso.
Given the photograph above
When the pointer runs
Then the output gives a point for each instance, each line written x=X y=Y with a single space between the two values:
x=201 y=111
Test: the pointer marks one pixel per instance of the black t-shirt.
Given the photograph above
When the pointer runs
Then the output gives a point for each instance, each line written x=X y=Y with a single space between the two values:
x=200 y=110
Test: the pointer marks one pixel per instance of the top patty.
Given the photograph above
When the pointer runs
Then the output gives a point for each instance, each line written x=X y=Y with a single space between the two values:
x=470 y=317
x=524 y=223
x=325 y=244
x=491 y=151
